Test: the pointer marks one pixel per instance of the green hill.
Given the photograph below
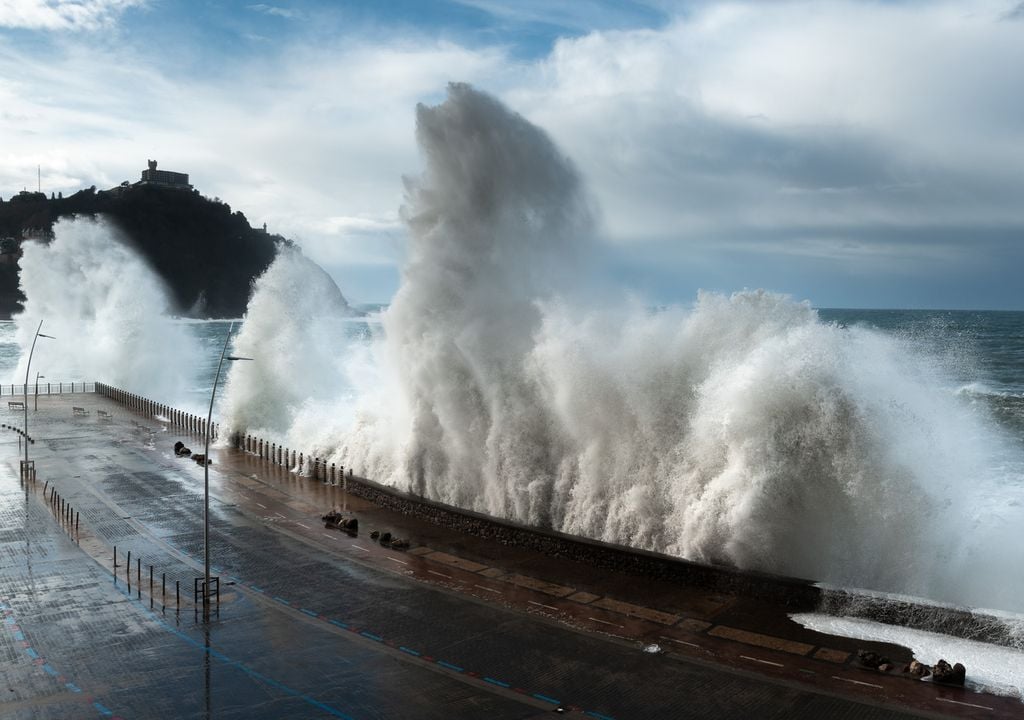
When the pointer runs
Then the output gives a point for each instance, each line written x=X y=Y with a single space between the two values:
x=207 y=255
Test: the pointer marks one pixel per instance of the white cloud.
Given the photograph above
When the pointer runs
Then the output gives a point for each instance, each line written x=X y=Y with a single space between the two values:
x=63 y=14
x=286 y=13
x=739 y=125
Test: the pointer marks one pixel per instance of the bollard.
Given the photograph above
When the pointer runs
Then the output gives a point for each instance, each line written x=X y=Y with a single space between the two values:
x=115 y=562
x=177 y=593
x=333 y=481
x=128 y=571
x=163 y=585
x=76 y=521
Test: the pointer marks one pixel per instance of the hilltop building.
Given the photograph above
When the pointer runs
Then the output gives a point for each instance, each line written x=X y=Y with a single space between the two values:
x=164 y=178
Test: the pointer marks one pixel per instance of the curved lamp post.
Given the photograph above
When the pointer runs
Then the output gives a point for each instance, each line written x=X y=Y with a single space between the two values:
x=206 y=475
x=28 y=365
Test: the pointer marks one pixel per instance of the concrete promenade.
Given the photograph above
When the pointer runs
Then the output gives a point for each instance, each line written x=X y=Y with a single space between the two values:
x=316 y=623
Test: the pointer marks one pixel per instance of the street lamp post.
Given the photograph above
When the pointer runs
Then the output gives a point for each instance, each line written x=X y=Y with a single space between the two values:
x=28 y=366
x=206 y=475
x=36 y=403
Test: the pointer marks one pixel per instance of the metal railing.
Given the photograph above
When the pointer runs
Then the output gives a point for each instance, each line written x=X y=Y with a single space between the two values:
x=49 y=388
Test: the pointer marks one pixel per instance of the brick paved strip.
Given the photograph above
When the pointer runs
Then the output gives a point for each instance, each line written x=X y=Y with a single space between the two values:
x=637 y=611
x=539 y=585
x=455 y=562
x=765 y=641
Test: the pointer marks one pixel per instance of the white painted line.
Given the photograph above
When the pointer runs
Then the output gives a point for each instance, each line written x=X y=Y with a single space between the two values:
x=542 y=605
x=359 y=547
x=281 y=516
x=330 y=536
x=262 y=505
x=488 y=589
x=857 y=682
x=396 y=560
x=605 y=622
x=301 y=525
x=435 y=572
x=681 y=642
x=957 y=702
x=758 y=660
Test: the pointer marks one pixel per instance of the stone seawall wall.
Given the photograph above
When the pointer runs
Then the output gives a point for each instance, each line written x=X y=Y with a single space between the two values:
x=797 y=594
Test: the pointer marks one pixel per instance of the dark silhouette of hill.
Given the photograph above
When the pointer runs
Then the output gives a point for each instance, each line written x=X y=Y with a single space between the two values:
x=207 y=255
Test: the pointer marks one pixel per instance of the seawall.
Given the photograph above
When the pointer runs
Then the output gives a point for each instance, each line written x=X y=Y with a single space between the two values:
x=796 y=594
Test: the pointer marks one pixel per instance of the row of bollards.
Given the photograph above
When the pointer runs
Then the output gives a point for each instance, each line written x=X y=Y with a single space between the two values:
x=62 y=509
x=316 y=467
x=176 y=418
x=152 y=582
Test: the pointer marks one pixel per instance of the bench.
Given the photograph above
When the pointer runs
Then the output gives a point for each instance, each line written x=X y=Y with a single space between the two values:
x=16 y=405
x=104 y=414
x=79 y=410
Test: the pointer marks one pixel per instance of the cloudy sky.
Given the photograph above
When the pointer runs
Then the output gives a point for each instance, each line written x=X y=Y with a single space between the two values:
x=854 y=154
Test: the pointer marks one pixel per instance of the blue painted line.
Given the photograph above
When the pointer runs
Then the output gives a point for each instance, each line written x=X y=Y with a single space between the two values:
x=492 y=681
x=456 y=668
x=282 y=600
x=310 y=613
x=370 y=635
x=19 y=636
x=404 y=649
x=599 y=716
x=257 y=589
x=339 y=624
x=72 y=687
x=545 y=698
x=10 y=620
x=103 y=709
x=32 y=653
x=252 y=673
x=50 y=669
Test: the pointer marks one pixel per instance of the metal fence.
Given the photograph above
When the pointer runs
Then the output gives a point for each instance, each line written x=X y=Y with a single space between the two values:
x=48 y=388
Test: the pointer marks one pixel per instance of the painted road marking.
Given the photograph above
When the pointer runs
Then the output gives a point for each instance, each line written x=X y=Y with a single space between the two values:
x=488 y=589
x=957 y=702
x=360 y=547
x=542 y=605
x=448 y=665
x=305 y=526
x=410 y=651
x=547 y=699
x=262 y=505
x=681 y=642
x=396 y=560
x=605 y=622
x=280 y=516
x=857 y=682
x=499 y=683
x=435 y=572
x=335 y=537
x=758 y=660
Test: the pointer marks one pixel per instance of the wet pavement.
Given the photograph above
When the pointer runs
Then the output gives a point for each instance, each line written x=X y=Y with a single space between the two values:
x=316 y=623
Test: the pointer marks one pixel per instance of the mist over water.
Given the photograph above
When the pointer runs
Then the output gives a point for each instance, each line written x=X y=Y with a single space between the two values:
x=109 y=313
